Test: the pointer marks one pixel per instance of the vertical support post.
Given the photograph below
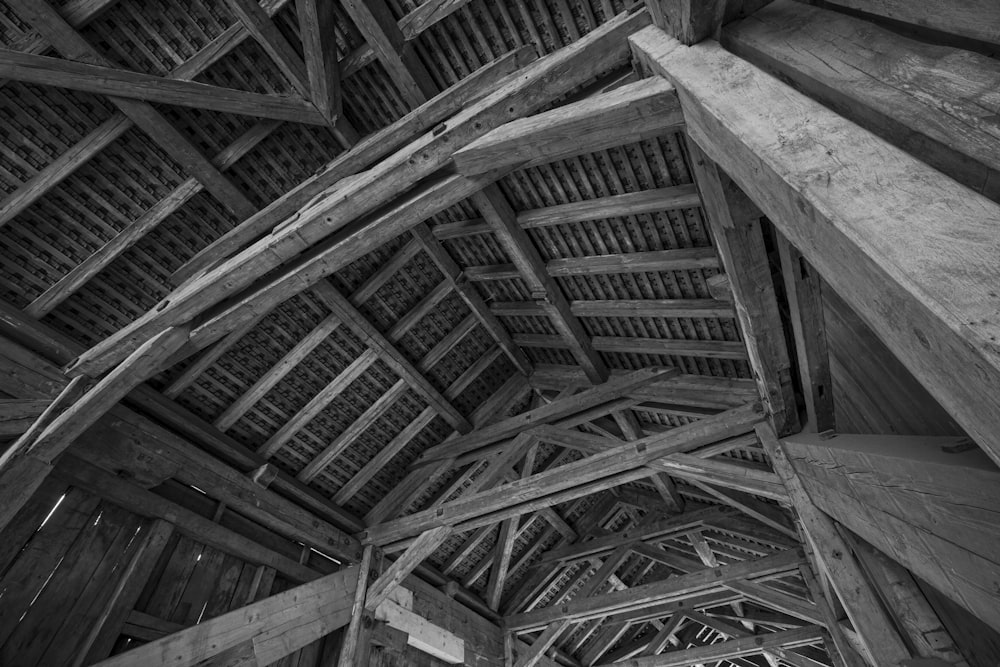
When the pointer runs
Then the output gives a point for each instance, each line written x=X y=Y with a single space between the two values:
x=355 y=634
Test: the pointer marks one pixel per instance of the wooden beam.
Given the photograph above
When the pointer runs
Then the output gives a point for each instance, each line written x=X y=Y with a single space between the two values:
x=673 y=589
x=119 y=83
x=838 y=562
x=494 y=207
x=546 y=80
x=518 y=495
x=421 y=548
x=273 y=628
x=266 y=33
x=360 y=156
x=546 y=414
x=505 y=541
x=47 y=20
x=925 y=493
x=737 y=232
x=626 y=115
x=613 y=206
x=976 y=20
x=317 y=21
x=708 y=349
x=391 y=355
x=671 y=308
x=803 y=289
x=831 y=57
x=375 y=22
x=349 y=646
x=859 y=219
x=453 y=274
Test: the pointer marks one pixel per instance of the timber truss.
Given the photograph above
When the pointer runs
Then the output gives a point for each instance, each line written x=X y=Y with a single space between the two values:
x=509 y=337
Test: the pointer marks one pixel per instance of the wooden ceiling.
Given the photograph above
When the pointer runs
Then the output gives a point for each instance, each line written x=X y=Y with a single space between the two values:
x=436 y=329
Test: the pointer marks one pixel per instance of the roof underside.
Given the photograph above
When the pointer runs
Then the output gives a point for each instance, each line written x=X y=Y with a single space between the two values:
x=413 y=303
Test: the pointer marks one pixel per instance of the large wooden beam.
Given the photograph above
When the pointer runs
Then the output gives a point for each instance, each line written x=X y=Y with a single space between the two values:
x=544 y=81
x=673 y=589
x=47 y=20
x=626 y=115
x=732 y=649
x=870 y=620
x=271 y=629
x=546 y=414
x=975 y=19
x=848 y=221
x=925 y=493
x=919 y=96
x=691 y=21
x=736 y=230
x=600 y=469
x=101 y=80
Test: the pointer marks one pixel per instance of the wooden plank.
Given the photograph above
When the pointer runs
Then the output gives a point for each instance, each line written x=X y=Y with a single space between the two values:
x=803 y=289
x=427 y=14
x=622 y=308
x=47 y=20
x=708 y=349
x=673 y=589
x=936 y=286
x=119 y=83
x=558 y=73
x=737 y=232
x=544 y=415
x=626 y=115
x=921 y=97
x=421 y=548
x=976 y=19
x=622 y=459
x=360 y=156
x=276 y=626
x=423 y=635
x=375 y=22
x=864 y=609
x=613 y=206
x=317 y=22
x=107 y=626
x=653 y=261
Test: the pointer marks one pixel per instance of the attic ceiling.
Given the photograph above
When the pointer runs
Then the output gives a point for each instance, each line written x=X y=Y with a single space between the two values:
x=436 y=330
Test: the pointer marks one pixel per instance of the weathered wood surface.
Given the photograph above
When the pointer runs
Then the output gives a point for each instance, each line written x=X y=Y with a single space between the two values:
x=930 y=503
x=274 y=627
x=975 y=19
x=859 y=599
x=932 y=101
x=912 y=252
x=732 y=649
x=691 y=21
x=626 y=115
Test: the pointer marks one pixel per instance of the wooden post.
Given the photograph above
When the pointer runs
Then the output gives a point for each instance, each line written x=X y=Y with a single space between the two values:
x=355 y=630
